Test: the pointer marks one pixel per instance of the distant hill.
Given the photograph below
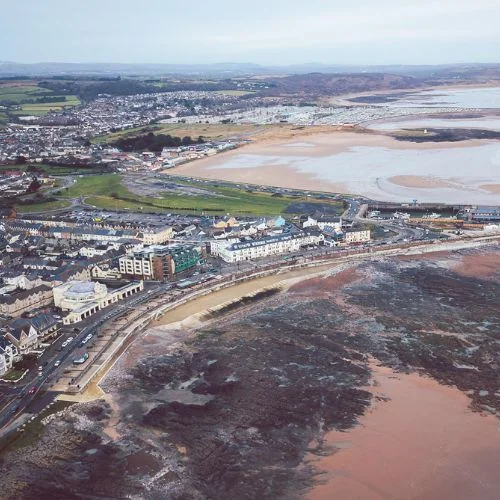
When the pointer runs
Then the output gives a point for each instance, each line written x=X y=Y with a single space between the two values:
x=13 y=69
x=337 y=84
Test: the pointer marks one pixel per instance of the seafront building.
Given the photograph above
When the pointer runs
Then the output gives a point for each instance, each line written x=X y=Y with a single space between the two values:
x=81 y=299
x=356 y=236
x=161 y=262
x=267 y=246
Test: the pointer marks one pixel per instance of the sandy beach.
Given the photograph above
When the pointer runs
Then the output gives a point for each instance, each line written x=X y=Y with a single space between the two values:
x=418 y=181
x=373 y=165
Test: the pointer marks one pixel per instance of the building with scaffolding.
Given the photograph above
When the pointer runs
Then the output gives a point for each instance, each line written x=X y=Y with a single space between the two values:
x=161 y=262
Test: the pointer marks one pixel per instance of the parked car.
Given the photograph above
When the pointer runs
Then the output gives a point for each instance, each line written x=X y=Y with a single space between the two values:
x=57 y=363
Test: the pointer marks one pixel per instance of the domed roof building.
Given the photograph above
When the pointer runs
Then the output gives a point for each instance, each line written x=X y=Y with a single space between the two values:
x=74 y=294
x=81 y=299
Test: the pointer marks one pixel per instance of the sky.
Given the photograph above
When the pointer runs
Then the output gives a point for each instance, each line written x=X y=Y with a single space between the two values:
x=269 y=32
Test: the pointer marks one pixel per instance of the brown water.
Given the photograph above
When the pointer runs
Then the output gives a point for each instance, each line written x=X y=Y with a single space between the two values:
x=422 y=444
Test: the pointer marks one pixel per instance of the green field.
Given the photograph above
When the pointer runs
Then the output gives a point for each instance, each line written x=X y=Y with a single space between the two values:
x=209 y=131
x=13 y=96
x=19 y=93
x=43 y=207
x=38 y=109
x=107 y=192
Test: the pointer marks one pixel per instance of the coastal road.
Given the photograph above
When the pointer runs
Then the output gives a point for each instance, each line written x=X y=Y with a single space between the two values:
x=7 y=415
x=18 y=399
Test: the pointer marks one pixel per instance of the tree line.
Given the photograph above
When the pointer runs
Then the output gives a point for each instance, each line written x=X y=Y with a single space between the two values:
x=154 y=143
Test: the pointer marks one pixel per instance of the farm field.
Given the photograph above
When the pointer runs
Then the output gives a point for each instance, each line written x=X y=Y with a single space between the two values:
x=39 y=108
x=19 y=93
x=23 y=94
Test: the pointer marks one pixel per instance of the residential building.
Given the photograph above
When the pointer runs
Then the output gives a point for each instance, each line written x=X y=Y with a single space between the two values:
x=356 y=236
x=8 y=354
x=269 y=245
x=226 y=222
x=216 y=246
x=20 y=301
x=23 y=335
x=161 y=262
x=157 y=237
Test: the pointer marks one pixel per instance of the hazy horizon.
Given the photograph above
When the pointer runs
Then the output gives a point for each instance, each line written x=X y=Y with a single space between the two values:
x=270 y=33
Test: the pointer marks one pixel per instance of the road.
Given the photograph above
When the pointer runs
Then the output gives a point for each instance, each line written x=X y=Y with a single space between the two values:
x=17 y=398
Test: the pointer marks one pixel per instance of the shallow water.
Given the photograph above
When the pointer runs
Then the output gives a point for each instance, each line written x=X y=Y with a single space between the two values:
x=368 y=170
x=423 y=443
x=477 y=98
x=481 y=123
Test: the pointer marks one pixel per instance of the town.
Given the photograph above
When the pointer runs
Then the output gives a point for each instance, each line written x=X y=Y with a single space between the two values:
x=95 y=233
x=59 y=271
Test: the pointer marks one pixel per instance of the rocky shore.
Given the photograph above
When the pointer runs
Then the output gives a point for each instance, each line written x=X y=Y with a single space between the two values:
x=232 y=408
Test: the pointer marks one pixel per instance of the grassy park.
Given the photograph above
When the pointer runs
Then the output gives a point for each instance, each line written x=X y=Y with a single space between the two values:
x=108 y=192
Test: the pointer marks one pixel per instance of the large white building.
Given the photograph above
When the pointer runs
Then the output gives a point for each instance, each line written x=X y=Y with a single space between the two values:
x=267 y=246
x=217 y=246
x=81 y=299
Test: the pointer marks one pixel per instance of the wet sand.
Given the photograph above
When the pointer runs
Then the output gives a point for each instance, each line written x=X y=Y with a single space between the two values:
x=368 y=164
x=185 y=313
x=480 y=266
x=492 y=188
x=424 y=443
x=417 y=181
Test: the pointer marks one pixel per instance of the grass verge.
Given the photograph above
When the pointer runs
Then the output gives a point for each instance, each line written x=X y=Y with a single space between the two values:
x=42 y=207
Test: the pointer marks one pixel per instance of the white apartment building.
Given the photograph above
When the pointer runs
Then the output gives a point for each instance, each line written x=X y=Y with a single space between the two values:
x=137 y=265
x=265 y=247
x=8 y=354
x=217 y=246
x=334 y=222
